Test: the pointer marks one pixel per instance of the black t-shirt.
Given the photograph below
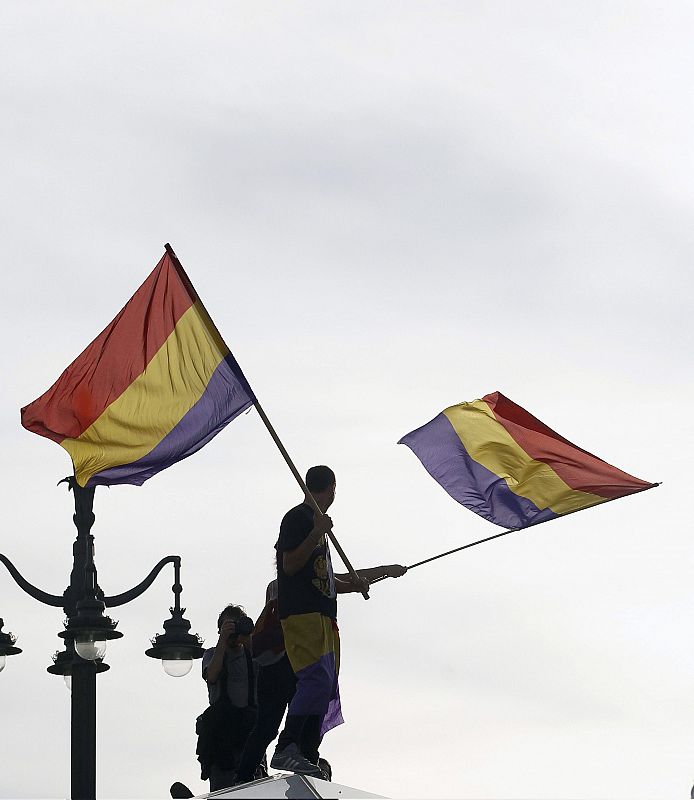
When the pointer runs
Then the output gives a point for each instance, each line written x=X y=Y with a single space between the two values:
x=312 y=588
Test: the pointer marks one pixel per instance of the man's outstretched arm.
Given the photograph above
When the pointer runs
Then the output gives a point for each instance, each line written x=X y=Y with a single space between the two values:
x=344 y=583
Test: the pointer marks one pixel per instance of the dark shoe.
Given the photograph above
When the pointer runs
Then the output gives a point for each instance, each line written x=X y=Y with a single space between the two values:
x=180 y=790
x=291 y=760
x=325 y=768
x=260 y=773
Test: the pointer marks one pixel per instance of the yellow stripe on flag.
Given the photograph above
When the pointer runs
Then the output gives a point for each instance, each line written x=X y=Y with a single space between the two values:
x=309 y=637
x=155 y=402
x=490 y=444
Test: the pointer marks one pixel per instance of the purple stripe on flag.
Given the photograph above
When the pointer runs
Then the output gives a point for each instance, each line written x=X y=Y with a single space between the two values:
x=226 y=396
x=445 y=458
x=316 y=687
x=333 y=716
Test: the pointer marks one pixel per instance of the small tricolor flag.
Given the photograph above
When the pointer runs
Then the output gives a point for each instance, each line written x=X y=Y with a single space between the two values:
x=154 y=387
x=499 y=461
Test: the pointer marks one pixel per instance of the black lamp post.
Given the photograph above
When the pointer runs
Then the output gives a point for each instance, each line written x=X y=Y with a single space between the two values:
x=87 y=630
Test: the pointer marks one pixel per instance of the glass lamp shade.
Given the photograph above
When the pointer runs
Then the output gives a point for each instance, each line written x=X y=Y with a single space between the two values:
x=178 y=667
x=3 y=659
x=89 y=647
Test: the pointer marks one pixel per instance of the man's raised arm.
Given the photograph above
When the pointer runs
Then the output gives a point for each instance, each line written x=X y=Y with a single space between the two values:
x=294 y=560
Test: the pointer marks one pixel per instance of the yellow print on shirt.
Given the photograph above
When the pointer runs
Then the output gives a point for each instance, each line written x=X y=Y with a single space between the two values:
x=321 y=582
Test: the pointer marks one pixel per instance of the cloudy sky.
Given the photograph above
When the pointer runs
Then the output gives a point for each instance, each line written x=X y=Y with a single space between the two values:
x=387 y=208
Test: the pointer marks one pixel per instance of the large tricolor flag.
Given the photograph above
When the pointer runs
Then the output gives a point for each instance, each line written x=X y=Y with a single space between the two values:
x=495 y=458
x=154 y=387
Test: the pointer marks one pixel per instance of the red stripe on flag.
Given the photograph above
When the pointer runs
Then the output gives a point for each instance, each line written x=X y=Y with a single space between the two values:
x=118 y=356
x=576 y=467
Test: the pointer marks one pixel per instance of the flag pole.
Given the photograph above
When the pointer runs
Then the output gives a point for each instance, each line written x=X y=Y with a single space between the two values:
x=308 y=494
x=311 y=499
x=518 y=530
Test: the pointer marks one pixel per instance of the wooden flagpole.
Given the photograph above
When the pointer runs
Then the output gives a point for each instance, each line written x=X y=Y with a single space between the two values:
x=295 y=472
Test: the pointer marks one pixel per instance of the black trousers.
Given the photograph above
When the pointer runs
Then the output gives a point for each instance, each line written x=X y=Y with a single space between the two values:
x=303 y=730
x=276 y=687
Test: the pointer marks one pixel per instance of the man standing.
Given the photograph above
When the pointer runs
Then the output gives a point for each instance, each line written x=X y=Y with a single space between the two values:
x=275 y=687
x=307 y=604
x=229 y=673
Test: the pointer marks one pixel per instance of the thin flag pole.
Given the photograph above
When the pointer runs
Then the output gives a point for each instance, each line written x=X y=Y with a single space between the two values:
x=517 y=530
x=295 y=472
x=308 y=494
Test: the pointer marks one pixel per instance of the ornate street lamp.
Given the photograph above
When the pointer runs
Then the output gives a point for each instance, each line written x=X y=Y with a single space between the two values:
x=176 y=647
x=7 y=647
x=88 y=629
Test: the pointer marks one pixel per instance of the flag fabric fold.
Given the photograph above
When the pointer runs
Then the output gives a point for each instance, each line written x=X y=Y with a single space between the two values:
x=153 y=388
x=498 y=460
x=312 y=642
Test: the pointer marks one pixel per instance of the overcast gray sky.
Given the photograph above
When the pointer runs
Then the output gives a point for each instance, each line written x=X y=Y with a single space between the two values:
x=387 y=208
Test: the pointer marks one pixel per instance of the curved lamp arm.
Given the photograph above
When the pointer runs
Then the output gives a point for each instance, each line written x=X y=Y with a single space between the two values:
x=30 y=589
x=131 y=594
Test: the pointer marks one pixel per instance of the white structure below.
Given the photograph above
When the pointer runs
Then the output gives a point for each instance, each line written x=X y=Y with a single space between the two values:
x=290 y=786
